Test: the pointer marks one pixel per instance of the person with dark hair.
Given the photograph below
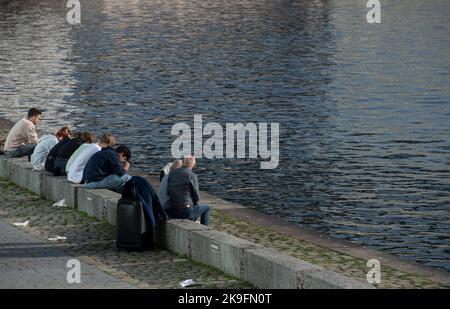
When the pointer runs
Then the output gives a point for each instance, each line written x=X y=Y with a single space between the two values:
x=68 y=149
x=22 y=138
x=107 y=169
x=45 y=144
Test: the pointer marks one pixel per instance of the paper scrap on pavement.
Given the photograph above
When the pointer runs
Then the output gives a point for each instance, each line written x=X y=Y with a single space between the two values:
x=57 y=238
x=187 y=282
x=23 y=223
x=61 y=203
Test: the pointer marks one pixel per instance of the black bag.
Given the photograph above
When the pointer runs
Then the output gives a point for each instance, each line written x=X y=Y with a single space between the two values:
x=133 y=232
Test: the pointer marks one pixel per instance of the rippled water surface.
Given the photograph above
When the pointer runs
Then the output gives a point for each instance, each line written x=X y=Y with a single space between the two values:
x=363 y=109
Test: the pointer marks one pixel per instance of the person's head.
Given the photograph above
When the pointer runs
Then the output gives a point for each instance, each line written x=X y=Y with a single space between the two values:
x=124 y=153
x=64 y=132
x=176 y=164
x=107 y=140
x=34 y=115
x=189 y=162
x=88 y=137
x=77 y=134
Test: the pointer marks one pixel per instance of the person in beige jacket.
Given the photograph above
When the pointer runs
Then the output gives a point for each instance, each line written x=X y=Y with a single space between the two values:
x=22 y=138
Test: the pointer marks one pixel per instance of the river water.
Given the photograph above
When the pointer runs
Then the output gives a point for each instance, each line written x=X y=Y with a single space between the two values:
x=363 y=108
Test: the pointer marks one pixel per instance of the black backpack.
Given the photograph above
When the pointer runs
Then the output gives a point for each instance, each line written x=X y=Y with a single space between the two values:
x=133 y=230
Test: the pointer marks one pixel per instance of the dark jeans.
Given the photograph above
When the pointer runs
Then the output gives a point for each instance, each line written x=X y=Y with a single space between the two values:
x=191 y=213
x=25 y=150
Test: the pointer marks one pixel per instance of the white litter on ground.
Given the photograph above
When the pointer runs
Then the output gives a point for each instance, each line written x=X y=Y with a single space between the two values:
x=57 y=238
x=23 y=223
x=61 y=203
x=187 y=282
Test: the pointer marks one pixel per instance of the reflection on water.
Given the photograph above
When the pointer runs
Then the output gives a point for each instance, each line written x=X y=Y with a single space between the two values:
x=363 y=109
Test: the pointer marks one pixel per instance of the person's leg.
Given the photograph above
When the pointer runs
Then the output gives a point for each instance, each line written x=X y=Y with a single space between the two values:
x=111 y=182
x=22 y=151
x=201 y=211
x=25 y=151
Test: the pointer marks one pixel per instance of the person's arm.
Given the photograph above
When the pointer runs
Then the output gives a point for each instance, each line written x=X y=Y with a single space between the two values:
x=30 y=134
x=117 y=166
x=195 y=190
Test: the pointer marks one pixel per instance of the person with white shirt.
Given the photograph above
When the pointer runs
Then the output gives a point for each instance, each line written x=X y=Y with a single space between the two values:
x=76 y=167
x=44 y=145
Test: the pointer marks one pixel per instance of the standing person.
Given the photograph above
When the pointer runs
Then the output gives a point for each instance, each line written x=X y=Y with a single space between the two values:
x=107 y=169
x=45 y=144
x=76 y=167
x=163 y=195
x=66 y=151
x=184 y=194
x=22 y=138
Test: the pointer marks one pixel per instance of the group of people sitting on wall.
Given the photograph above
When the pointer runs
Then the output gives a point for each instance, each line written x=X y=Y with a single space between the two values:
x=99 y=165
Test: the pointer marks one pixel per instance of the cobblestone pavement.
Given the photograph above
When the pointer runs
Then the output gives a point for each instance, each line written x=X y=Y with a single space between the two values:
x=27 y=262
x=90 y=241
x=330 y=259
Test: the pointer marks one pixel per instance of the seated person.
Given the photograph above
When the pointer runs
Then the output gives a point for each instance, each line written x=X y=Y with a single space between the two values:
x=22 y=138
x=45 y=144
x=68 y=149
x=107 y=169
x=50 y=161
x=163 y=196
x=165 y=171
x=83 y=154
x=184 y=194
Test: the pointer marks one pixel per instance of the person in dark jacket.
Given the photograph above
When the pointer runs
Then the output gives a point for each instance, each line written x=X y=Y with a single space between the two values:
x=50 y=161
x=184 y=194
x=107 y=169
x=59 y=168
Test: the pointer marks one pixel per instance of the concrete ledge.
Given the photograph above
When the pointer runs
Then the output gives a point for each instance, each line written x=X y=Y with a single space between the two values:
x=56 y=188
x=175 y=235
x=221 y=250
x=265 y=268
x=99 y=203
x=22 y=173
x=268 y=268
x=3 y=167
x=326 y=279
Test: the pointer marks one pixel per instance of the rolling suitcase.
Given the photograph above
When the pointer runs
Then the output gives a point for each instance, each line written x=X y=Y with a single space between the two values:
x=133 y=233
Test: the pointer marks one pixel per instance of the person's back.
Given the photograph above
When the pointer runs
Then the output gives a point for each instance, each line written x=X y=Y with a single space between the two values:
x=107 y=169
x=45 y=145
x=75 y=171
x=40 y=153
x=101 y=165
x=50 y=161
x=76 y=168
x=22 y=138
x=184 y=194
x=182 y=188
x=23 y=132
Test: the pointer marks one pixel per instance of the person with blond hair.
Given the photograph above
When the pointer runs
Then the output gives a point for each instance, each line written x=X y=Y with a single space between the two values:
x=163 y=195
x=45 y=144
x=184 y=195
x=79 y=159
